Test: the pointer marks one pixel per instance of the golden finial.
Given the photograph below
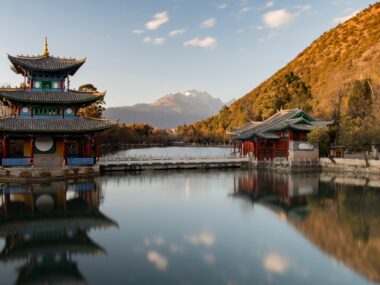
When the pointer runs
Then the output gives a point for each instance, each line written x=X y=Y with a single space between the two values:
x=46 y=50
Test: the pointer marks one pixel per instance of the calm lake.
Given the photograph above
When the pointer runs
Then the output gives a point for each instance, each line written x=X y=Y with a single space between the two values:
x=191 y=227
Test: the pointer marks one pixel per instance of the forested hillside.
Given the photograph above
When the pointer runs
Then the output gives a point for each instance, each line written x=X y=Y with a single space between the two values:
x=321 y=79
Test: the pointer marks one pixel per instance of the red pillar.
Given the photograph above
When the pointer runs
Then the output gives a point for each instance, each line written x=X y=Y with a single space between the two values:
x=5 y=147
x=64 y=151
x=97 y=154
x=257 y=145
x=89 y=146
x=79 y=148
x=32 y=150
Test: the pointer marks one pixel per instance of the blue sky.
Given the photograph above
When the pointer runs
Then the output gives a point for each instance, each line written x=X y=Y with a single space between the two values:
x=140 y=50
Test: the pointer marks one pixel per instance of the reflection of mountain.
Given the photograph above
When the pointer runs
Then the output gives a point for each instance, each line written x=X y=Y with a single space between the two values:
x=341 y=220
x=168 y=111
x=349 y=230
x=45 y=225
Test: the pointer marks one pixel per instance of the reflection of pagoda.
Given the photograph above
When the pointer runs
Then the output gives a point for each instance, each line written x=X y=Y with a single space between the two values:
x=279 y=191
x=46 y=225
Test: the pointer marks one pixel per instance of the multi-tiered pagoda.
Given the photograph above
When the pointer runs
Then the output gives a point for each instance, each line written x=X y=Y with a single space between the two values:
x=42 y=126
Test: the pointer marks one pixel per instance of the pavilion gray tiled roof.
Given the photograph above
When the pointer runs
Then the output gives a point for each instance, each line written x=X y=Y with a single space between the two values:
x=49 y=97
x=53 y=125
x=46 y=63
x=285 y=119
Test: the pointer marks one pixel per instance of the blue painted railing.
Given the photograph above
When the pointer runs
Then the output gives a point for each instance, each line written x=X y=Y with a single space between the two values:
x=16 y=161
x=16 y=189
x=82 y=186
x=80 y=161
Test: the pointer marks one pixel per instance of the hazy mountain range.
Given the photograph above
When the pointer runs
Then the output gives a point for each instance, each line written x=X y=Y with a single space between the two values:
x=169 y=111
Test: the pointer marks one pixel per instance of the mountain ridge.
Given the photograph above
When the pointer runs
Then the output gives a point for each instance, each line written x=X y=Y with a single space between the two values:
x=168 y=111
x=315 y=77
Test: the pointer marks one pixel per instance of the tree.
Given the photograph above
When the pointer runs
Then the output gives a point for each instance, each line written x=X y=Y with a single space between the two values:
x=358 y=121
x=96 y=109
x=322 y=137
x=360 y=100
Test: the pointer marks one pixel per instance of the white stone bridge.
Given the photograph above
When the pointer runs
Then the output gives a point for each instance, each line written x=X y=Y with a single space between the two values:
x=136 y=163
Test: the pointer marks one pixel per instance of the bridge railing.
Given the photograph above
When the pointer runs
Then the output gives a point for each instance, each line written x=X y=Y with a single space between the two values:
x=171 y=158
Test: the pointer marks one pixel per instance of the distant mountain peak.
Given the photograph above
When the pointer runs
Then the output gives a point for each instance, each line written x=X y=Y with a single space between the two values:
x=169 y=111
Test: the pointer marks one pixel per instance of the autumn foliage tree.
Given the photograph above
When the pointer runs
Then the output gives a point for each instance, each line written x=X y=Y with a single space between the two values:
x=96 y=109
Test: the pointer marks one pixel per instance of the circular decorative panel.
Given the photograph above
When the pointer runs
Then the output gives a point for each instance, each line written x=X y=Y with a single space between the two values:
x=45 y=203
x=55 y=85
x=69 y=110
x=25 y=110
x=44 y=143
x=37 y=85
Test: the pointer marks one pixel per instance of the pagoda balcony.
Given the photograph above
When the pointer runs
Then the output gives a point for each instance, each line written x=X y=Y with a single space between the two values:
x=16 y=161
x=80 y=161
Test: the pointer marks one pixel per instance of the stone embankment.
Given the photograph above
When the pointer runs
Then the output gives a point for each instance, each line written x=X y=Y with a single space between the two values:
x=356 y=167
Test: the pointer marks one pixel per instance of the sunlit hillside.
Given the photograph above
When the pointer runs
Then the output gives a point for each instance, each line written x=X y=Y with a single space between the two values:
x=313 y=80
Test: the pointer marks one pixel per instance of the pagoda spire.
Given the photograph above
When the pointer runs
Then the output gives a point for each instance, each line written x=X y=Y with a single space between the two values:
x=46 y=50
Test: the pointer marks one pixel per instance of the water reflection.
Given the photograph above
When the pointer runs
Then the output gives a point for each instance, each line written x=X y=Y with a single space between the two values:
x=192 y=227
x=45 y=225
x=339 y=215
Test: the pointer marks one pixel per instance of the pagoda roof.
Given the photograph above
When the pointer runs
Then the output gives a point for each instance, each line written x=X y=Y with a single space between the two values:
x=85 y=222
x=45 y=63
x=53 y=125
x=80 y=244
x=63 y=272
x=49 y=97
x=295 y=119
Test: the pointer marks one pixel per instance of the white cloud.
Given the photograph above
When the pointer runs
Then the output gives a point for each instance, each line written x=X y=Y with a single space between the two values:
x=205 y=238
x=245 y=9
x=154 y=41
x=342 y=19
x=176 y=32
x=278 y=18
x=222 y=6
x=158 y=260
x=269 y=4
x=303 y=8
x=137 y=32
x=209 y=23
x=275 y=263
x=207 y=42
x=158 y=20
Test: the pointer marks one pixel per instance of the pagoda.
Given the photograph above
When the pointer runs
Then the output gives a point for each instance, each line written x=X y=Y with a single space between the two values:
x=42 y=127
